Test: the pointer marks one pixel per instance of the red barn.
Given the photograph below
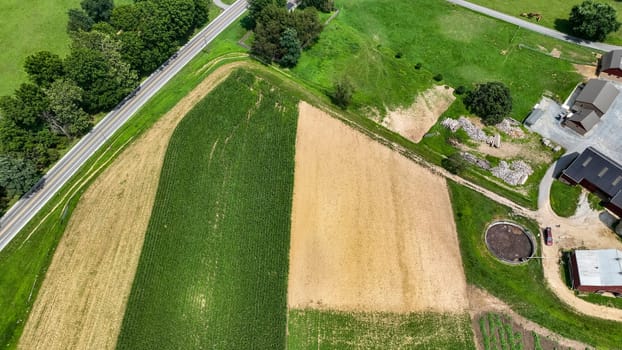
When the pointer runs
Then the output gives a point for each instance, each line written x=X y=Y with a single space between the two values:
x=598 y=270
x=611 y=63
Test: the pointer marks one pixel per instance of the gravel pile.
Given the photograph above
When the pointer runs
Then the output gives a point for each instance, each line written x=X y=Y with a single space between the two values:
x=511 y=127
x=481 y=163
x=515 y=173
x=473 y=131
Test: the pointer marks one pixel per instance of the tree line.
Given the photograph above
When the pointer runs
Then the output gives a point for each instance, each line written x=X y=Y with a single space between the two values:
x=111 y=48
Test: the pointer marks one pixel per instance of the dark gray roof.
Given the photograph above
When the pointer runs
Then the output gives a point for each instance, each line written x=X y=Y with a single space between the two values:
x=599 y=93
x=585 y=118
x=599 y=170
x=611 y=60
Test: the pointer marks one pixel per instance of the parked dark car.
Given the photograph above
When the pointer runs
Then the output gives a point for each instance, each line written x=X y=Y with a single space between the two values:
x=548 y=236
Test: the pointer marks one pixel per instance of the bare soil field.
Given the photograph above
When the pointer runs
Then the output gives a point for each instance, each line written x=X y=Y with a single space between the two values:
x=371 y=230
x=415 y=121
x=82 y=300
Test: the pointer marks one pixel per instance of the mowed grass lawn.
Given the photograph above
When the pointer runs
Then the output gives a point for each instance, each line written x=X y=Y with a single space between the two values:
x=522 y=287
x=314 y=329
x=464 y=47
x=213 y=271
x=28 y=26
x=564 y=198
x=554 y=13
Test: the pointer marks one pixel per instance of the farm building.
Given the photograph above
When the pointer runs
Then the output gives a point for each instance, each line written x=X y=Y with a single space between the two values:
x=597 y=270
x=598 y=174
x=594 y=100
x=611 y=63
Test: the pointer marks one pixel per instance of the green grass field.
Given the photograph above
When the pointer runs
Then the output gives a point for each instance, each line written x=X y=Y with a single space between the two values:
x=564 y=198
x=214 y=264
x=466 y=48
x=554 y=13
x=313 y=329
x=522 y=287
x=29 y=26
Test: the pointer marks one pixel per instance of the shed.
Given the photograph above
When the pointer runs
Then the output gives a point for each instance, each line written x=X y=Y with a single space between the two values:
x=597 y=95
x=611 y=63
x=598 y=270
x=582 y=121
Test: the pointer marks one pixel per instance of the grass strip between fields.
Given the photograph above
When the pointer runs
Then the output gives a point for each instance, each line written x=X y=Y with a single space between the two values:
x=522 y=287
x=327 y=329
x=214 y=264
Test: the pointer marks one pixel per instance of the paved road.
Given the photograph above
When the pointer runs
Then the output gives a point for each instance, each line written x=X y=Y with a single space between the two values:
x=25 y=209
x=535 y=27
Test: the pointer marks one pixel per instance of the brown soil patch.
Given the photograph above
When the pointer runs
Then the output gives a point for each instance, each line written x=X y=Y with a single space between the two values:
x=509 y=242
x=82 y=300
x=588 y=72
x=417 y=119
x=371 y=230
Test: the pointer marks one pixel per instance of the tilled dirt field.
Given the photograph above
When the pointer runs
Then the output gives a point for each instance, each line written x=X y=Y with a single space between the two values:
x=371 y=230
x=82 y=300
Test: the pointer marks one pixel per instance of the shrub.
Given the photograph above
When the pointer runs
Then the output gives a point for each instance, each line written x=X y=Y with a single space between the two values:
x=460 y=90
x=490 y=101
x=438 y=77
x=418 y=65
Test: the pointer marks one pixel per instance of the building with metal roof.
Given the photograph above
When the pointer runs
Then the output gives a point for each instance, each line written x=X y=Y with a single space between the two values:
x=598 y=270
x=611 y=63
x=598 y=174
x=596 y=96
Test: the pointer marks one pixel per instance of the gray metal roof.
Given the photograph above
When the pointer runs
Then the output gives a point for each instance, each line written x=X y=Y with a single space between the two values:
x=599 y=93
x=611 y=60
x=599 y=267
x=597 y=169
x=585 y=118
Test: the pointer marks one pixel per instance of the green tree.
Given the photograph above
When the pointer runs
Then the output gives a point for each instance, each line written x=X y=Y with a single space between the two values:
x=17 y=176
x=98 y=10
x=321 y=5
x=291 y=48
x=343 y=91
x=490 y=101
x=43 y=67
x=78 y=21
x=201 y=13
x=66 y=116
x=593 y=20
x=454 y=163
x=255 y=7
x=25 y=107
x=95 y=64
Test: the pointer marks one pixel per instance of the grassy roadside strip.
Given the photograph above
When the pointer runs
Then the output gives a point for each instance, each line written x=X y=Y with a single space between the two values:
x=24 y=262
x=522 y=287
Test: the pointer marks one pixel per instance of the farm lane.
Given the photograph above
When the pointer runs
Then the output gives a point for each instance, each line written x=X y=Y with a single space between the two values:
x=28 y=206
x=535 y=27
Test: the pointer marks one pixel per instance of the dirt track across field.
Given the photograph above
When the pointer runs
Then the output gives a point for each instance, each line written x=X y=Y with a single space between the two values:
x=371 y=230
x=82 y=300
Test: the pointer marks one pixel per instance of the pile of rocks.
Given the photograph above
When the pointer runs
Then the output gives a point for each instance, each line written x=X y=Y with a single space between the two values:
x=511 y=127
x=515 y=173
x=473 y=131
x=481 y=163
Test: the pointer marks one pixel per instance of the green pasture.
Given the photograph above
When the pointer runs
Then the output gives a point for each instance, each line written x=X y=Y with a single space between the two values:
x=554 y=13
x=315 y=329
x=378 y=43
x=523 y=287
x=564 y=198
x=29 y=26
x=215 y=259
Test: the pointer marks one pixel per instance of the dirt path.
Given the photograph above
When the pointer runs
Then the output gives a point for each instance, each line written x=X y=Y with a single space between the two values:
x=365 y=234
x=82 y=300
